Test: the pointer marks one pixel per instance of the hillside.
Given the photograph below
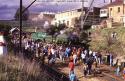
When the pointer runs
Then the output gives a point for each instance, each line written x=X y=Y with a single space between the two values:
x=103 y=40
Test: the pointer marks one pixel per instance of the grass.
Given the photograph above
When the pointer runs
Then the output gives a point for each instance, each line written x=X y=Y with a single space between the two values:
x=102 y=40
x=17 y=69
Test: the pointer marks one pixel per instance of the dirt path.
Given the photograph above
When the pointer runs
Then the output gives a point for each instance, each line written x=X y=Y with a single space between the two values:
x=79 y=75
x=106 y=74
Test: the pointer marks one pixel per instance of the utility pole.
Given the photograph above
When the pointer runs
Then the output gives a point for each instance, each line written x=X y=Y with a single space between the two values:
x=21 y=3
x=21 y=13
x=82 y=10
x=123 y=13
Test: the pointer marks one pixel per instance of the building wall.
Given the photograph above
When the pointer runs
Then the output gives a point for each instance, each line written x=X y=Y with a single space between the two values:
x=46 y=17
x=67 y=17
x=33 y=16
x=116 y=13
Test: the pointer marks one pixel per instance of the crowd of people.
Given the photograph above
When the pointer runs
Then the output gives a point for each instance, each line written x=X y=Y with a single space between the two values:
x=33 y=50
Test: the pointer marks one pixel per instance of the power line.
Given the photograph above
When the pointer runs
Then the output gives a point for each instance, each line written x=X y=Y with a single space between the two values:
x=88 y=12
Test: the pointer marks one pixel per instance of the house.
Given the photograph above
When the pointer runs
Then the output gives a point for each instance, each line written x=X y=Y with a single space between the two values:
x=67 y=17
x=104 y=12
x=72 y=18
x=114 y=11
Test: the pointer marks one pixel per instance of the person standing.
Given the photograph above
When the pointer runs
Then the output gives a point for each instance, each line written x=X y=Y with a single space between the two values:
x=124 y=73
x=62 y=54
x=79 y=53
x=67 y=52
x=71 y=66
x=118 y=69
x=85 y=69
x=83 y=57
x=111 y=60
x=74 y=59
x=72 y=76
x=99 y=56
x=49 y=54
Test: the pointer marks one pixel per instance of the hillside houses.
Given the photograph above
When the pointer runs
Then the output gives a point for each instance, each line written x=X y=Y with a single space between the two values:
x=114 y=11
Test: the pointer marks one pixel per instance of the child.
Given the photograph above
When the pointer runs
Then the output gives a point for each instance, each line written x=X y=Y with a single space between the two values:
x=72 y=76
x=118 y=69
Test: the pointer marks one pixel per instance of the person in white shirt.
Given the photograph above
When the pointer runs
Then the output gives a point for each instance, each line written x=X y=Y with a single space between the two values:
x=83 y=56
x=74 y=58
x=53 y=51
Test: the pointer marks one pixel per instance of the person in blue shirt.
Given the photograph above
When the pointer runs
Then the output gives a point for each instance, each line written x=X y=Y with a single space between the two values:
x=72 y=76
x=67 y=52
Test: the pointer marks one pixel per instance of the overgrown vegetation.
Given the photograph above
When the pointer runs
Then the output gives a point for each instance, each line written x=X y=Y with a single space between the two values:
x=17 y=69
x=102 y=40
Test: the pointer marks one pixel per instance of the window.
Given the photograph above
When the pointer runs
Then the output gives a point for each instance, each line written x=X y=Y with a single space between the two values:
x=110 y=9
x=79 y=10
x=63 y=21
x=68 y=23
x=103 y=12
x=70 y=13
x=118 y=9
x=59 y=22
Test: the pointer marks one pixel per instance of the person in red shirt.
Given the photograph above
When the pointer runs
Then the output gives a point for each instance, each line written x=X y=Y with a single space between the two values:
x=71 y=66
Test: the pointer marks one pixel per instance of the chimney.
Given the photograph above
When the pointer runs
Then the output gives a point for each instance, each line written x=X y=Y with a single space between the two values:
x=110 y=1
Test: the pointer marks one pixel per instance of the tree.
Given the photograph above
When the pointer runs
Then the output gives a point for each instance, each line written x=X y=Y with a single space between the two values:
x=51 y=31
x=5 y=29
x=55 y=30
x=25 y=15
x=61 y=27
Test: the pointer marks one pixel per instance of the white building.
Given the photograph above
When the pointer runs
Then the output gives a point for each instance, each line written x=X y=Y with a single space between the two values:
x=104 y=12
x=67 y=17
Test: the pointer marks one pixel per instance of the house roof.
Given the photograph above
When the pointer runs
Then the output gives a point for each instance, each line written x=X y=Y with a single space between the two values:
x=115 y=3
x=105 y=7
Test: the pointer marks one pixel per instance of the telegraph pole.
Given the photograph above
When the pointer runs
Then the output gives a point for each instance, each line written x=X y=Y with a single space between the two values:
x=82 y=10
x=123 y=13
x=21 y=13
x=20 y=46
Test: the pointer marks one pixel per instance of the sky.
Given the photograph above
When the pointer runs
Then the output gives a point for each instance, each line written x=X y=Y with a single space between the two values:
x=8 y=7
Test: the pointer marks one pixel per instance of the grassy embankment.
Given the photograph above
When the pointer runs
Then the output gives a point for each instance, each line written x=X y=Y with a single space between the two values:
x=17 y=69
x=102 y=41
